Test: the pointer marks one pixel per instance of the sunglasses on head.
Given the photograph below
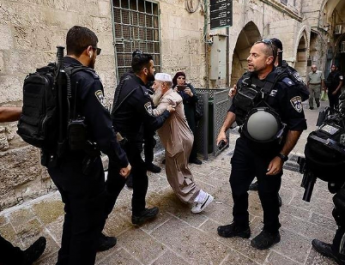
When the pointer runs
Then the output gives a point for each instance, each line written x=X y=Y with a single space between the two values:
x=267 y=42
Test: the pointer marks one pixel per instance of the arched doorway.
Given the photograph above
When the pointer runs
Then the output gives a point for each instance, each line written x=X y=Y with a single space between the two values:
x=315 y=49
x=247 y=37
x=301 y=57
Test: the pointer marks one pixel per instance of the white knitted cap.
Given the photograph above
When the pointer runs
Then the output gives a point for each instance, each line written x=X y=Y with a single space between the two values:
x=163 y=77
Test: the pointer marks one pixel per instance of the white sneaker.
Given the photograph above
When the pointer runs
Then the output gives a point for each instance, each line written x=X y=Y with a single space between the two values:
x=198 y=207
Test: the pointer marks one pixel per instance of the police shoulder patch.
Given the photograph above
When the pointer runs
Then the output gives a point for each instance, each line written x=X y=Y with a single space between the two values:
x=100 y=97
x=288 y=81
x=148 y=108
x=296 y=103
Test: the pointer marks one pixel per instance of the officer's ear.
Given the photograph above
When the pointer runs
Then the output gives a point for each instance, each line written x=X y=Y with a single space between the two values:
x=89 y=51
x=269 y=59
x=145 y=71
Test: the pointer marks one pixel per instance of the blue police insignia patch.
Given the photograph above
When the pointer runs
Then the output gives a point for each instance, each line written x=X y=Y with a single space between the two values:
x=148 y=107
x=296 y=103
x=287 y=81
x=100 y=97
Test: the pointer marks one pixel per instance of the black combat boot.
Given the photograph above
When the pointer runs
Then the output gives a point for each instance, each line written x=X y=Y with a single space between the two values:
x=153 y=168
x=326 y=250
x=146 y=215
x=265 y=240
x=34 y=251
x=233 y=230
x=106 y=242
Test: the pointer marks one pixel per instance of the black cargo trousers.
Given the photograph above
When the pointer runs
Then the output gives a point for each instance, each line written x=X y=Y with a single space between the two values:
x=116 y=182
x=338 y=246
x=149 y=144
x=84 y=196
x=246 y=164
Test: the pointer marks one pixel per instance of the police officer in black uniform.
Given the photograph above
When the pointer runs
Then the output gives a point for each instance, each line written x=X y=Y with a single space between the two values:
x=296 y=78
x=336 y=250
x=132 y=109
x=79 y=175
x=261 y=159
x=334 y=83
x=149 y=140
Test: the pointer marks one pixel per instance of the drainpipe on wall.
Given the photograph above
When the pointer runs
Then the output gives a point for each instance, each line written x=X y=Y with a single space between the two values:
x=301 y=8
x=206 y=42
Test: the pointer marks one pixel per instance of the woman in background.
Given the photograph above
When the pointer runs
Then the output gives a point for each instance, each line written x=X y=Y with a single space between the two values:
x=189 y=96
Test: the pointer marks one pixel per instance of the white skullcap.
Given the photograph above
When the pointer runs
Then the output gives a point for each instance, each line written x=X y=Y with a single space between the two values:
x=163 y=77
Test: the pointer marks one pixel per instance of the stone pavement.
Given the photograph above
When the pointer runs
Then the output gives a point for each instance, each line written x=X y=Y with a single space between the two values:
x=179 y=237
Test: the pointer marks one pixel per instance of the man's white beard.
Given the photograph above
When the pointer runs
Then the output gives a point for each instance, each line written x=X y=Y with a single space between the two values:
x=157 y=96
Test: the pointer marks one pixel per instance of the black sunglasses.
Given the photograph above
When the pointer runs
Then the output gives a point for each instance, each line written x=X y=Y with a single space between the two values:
x=98 y=50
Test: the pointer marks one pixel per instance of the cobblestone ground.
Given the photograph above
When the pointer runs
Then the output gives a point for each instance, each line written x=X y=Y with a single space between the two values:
x=179 y=237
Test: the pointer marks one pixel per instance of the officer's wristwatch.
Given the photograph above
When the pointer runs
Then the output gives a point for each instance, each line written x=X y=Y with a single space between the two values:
x=284 y=158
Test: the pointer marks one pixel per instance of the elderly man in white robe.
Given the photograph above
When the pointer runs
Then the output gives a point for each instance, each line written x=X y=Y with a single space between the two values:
x=177 y=139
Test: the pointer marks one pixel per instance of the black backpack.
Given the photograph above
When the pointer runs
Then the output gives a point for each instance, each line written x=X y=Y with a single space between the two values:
x=38 y=122
x=46 y=112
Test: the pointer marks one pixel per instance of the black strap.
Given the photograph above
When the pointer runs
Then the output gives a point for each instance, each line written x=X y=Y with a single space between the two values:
x=70 y=71
x=130 y=93
x=118 y=93
x=272 y=79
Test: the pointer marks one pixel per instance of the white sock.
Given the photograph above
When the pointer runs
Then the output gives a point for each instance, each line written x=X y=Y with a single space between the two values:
x=201 y=196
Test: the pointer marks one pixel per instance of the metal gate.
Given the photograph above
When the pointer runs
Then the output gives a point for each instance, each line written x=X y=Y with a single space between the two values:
x=136 y=26
x=216 y=104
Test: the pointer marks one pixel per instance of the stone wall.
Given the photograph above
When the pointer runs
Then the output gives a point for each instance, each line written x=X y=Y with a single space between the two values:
x=30 y=30
x=182 y=46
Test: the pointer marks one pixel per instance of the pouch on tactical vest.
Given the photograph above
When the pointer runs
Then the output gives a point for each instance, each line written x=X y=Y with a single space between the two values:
x=260 y=122
x=246 y=98
x=325 y=149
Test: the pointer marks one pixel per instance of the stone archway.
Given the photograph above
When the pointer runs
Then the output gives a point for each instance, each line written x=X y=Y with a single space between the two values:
x=248 y=35
x=301 y=57
x=315 y=49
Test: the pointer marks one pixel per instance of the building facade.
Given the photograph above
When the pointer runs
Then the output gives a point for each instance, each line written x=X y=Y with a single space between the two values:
x=176 y=32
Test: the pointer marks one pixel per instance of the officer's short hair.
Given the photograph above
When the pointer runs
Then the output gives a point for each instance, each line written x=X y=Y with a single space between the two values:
x=137 y=51
x=270 y=48
x=78 y=39
x=140 y=61
x=276 y=42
